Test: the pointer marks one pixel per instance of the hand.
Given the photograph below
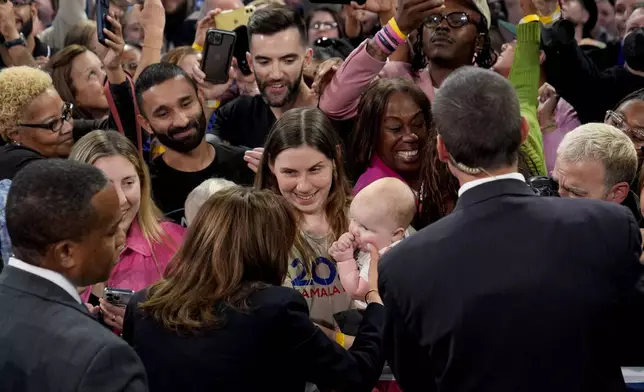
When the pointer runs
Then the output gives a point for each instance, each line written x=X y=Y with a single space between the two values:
x=545 y=7
x=412 y=13
x=152 y=17
x=93 y=310
x=42 y=61
x=206 y=23
x=112 y=315
x=115 y=44
x=253 y=158
x=325 y=73
x=373 y=296
x=211 y=91
x=343 y=248
x=246 y=83
x=548 y=100
x=527 y=7
x=375 y=6
x=8 y=22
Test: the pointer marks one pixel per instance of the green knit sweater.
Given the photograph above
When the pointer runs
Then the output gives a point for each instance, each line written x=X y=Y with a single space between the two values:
x=525 y=79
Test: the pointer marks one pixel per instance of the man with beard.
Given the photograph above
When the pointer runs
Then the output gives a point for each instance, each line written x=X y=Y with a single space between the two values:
x=171 y=110
x=21 y=34
x=278 y=55
x=576 y=78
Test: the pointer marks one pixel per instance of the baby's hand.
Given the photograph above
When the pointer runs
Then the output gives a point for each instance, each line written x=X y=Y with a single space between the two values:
x=343 y=248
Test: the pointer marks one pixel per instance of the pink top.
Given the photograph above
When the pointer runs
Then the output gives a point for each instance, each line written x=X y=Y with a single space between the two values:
x=141 y=265
x=376 y=170
x=566 y=120
x=341 y=97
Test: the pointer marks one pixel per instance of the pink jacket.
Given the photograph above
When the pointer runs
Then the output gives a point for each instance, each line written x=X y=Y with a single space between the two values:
x=141 y=265
x=341 y=97
x=376 y=170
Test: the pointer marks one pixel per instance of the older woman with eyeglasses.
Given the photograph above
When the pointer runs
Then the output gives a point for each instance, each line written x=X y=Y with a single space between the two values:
x=34 y=120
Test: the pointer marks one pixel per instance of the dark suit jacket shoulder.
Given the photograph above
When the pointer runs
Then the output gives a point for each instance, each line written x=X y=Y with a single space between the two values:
x=509 y=283
x=52 y=343
x=273 y=337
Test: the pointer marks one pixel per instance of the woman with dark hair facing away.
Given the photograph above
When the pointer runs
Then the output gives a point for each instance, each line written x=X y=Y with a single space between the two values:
x=220 y=321
x=302 y=162
x=451 y=34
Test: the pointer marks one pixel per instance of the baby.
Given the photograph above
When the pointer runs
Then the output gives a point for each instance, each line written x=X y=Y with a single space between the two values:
x=380 y=214
x=201 y=194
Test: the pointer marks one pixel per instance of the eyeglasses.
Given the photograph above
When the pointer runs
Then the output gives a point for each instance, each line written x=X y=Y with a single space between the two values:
x=454 y=19
x=323 y=26
x=56 y=125
x=325 y=42
x=619 y=122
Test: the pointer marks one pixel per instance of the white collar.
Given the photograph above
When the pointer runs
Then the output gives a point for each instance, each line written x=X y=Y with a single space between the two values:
x=52 y=276
x=471 y=184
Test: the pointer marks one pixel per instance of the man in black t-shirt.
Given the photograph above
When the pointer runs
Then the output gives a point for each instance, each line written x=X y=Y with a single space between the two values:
x=278 y=54
x=172 y=111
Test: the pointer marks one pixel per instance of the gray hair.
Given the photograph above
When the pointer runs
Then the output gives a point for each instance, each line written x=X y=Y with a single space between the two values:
x=200 y=194
x=605 y=144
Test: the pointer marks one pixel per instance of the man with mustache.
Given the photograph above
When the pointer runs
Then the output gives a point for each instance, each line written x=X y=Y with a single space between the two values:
x=171 y=110
x=278 y=54
x=21 y=33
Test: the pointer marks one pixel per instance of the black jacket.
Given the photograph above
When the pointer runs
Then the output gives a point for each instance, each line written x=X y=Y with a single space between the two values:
x=515 y=292
x=51 y=343
x=14 y=158
x=272 y=347
x=578 y=80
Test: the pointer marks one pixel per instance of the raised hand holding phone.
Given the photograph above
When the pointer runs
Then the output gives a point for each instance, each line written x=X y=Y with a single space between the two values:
x=8 y=28
x=411 y=14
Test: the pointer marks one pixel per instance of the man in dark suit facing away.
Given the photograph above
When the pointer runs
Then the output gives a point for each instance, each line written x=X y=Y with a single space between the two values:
x=62 y=217
x=511 y=291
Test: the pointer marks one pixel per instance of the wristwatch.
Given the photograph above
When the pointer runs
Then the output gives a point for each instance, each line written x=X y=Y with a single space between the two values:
x=16 y=42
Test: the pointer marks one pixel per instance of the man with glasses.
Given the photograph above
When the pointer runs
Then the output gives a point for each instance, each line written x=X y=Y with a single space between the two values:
x=35 y=122
x=17 y=30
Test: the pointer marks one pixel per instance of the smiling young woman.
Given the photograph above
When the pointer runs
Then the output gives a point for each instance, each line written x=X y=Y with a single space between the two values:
x=302 y=162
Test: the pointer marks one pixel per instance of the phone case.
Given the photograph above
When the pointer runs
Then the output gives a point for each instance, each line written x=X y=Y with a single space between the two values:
x=241 y=48
x=230 y=19
x=117 y=297
x=102 y=10
x=218 y=55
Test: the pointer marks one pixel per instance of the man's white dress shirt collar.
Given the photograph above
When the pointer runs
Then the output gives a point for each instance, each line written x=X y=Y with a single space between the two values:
x=471 y=184
x=53 y=277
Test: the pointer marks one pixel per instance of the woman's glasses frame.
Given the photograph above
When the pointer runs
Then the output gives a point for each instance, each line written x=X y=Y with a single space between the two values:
x=56 y=125
x=618 y=121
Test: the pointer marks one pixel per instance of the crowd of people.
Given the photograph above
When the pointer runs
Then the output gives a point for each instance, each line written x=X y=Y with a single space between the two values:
x=413 y=195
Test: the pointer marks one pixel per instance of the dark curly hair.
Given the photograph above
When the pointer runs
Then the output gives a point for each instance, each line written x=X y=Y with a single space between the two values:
x=485 y=57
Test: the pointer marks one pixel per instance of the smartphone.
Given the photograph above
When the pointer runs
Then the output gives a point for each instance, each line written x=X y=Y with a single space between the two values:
x=102 y=10
x=117 y=297
x=218 y=55
x=230 y=19
x=349 y=321
x=241 y=48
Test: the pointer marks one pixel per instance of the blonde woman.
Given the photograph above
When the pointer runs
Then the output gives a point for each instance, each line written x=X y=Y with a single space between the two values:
x=150 y=242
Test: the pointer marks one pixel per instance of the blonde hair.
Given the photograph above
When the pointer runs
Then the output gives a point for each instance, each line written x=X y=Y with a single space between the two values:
x=100 y=144
x=605 y=144
x=18 y=87
x=177 y=54
x=200 y=194
x=391 y=196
